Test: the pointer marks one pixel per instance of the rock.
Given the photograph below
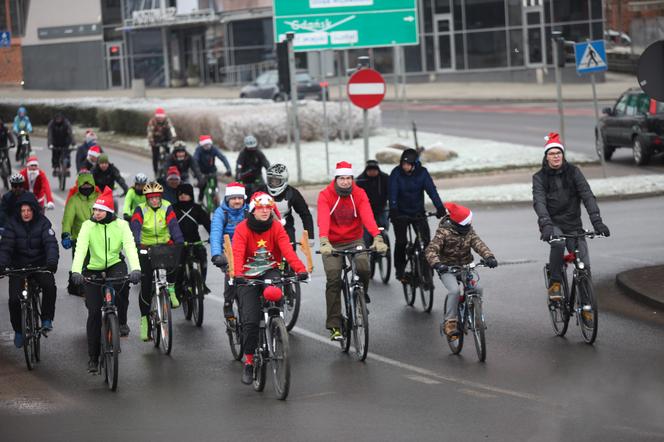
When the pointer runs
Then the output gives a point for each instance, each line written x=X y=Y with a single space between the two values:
x=434 y=154
x=391 y=156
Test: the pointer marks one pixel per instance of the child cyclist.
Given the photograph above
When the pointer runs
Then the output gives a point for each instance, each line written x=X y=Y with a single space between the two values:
x=451 y=246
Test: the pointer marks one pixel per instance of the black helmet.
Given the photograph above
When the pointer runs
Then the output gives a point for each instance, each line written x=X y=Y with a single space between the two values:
x=409 y=156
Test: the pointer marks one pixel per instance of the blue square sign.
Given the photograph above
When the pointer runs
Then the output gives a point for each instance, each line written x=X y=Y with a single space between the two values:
x=5 y=39
x=590 y=57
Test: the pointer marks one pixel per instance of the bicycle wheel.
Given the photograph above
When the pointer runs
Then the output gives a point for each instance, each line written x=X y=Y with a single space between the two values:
x=346 y=319
x=62 y=176
x=111 y=348
x=587 y=308
x=291 y=305
x=408 y=286
x=234 y=332
x=279 y=361
x=373 y=257
x=166 y=324
x=260 y=367
x=455 y=342
x=425 y=282
x=558 y=310
x=197 y=297
x=385 y=262
x=27 y=323
x=360 y=326
x=478 y=327
x=187 y=295
x=36 y=324
x=155 y=320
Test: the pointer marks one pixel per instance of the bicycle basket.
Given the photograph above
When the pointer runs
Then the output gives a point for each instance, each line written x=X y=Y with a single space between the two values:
x=165 y=257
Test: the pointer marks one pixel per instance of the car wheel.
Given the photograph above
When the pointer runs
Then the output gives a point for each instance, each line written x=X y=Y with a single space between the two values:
x=640 y=153
x=279 y=97
x=243 y=95
x=602 y=149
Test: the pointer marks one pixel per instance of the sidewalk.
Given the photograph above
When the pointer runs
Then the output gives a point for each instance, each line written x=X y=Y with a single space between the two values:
x=645 y=284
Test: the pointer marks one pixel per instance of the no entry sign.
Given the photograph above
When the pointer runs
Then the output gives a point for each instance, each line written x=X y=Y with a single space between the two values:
x=366 y=88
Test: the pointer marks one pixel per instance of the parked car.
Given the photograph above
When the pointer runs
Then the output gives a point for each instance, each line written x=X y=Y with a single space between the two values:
x=266 y=86
x=635 y=121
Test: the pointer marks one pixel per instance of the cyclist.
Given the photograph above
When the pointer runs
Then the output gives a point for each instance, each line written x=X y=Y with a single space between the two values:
x=184 y=162
x=8 y=202
x=451 y=246
x=190 y=216
x=91 y=160
x=103 y=236
x=82 y=150
x=29 y=240
x=60 y=137
x=375 y=183
x=107 y=175
x=205 y=156
x=7 y=139
x=559 y=188
x=226 y=217
x=21 y=122
x=170 y=184
x=343 y=209
x=287 y=199
x=36 y=182
x=250 y=163
x=134 y=196
x=408 y=182
x=259 y=231
x=160 y=130
x=153 y=223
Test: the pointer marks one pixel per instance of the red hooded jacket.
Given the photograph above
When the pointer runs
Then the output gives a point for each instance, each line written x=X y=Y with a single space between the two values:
x=275 y=240
x=42 y=188
x=341 y=219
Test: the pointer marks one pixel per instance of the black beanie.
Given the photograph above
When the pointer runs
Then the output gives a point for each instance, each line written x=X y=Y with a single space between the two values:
x=185 y=188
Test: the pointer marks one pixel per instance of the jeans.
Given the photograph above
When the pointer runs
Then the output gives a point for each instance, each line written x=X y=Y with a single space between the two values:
x=453 y=292
x=558 y=250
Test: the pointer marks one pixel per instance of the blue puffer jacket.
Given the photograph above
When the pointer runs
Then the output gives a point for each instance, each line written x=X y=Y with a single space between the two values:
x=224 y=222
x=407 y=191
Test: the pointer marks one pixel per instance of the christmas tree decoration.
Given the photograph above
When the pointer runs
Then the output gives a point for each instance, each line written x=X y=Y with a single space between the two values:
x=261 y=262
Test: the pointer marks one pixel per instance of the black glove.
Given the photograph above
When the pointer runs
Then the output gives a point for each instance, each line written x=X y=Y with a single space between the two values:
x=135 y=277
x=547 y=233
x=239 y=280
x=77 y=279
x=491 y=262
x=127 y=217
x=302 y=276
x=220 y=260
x=52 y=268
x=440 y=268
x=441 y=212
x=601 y=228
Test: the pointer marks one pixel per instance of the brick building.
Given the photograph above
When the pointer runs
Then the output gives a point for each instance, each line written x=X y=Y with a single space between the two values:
x=642 y=20
x=12 y=20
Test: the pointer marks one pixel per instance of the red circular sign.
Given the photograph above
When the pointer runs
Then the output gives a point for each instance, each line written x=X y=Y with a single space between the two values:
x=366 y=88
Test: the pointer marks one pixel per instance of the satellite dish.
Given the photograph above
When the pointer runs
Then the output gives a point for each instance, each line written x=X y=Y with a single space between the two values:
x=650 y=72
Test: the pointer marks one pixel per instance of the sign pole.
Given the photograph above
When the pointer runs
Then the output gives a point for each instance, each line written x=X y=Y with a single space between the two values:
x=340 y=98
x=349 y=115
x=296 y=120
x=324 y=90
x=559 y=88
x=365 y=115
x=601 y=154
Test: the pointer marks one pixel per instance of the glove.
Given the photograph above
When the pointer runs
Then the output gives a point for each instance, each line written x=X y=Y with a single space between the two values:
x=220 y=260
x=50 y=205
x=127 y=217
x=135 y=276
x=491 y=262
x=77 y=278
x=379 y=245
x=547 y=233
x=394 y=214
x=239 y=280
x=601 y=228
x=66 y=241
x=53 y=268
x=440 y=268
x=325 y=247
x=228 y=173
x=441 y=212
x=302 y=276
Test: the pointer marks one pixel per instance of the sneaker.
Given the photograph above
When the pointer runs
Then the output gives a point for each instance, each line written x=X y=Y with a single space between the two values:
x=450 y=327
x=124 y=330
x=335 y=335
x=228 y=311
x=248 y=374
x=555 y=294
x=47 y=325
x=175 y=303
x=18 y=340
x=93 y=365
x=144 y=329
x=206 y=289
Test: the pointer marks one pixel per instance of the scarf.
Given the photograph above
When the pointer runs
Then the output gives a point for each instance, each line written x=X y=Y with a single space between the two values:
x=259 y=226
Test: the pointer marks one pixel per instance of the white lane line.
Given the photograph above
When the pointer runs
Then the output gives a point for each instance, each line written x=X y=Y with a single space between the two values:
x=422 y=379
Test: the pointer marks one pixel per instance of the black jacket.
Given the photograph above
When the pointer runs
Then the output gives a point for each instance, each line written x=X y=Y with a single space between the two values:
x=376 y=189
x=557 y=197
x=183 y=167
x=7 y=207
x=287 y=201
x=7 y=138
x=191 y=215
x=60 y=135
x=249 y=165
x=108 y=178
x=28 y=244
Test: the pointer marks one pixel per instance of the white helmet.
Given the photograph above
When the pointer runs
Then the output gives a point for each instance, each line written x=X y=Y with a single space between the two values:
x=250 y=142
x=141 y=178
x=277 y=179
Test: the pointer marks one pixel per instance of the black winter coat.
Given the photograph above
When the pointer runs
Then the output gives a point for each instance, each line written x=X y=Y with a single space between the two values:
x=191 y=215
x=376 y=189
x=557 y=197
x=7 y=207
x=184 y=167
x=249 y=165
x=287 y=201
x=108 y=178
x=28 y=244
x=60 y=135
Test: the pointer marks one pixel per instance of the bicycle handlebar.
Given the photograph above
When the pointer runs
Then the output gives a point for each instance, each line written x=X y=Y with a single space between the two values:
x=280 y=280
x=25 y=270
x=196 y=243
x=98 y=280
x=415 y=218
x=471 y=266
x=350 y=252
x=585 y=234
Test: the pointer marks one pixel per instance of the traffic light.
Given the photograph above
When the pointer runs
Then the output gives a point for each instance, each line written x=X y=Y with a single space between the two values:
x=560 y=45
x=282 y=65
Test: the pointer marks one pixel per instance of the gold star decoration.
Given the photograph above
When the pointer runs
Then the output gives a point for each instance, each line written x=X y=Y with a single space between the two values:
x=261 y=243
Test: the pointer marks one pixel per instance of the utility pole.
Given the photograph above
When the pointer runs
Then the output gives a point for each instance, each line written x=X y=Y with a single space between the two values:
x=556 y=37
x=290 y=36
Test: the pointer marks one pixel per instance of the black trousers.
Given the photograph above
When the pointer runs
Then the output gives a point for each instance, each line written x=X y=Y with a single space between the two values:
x=557 y=253
x=155 y=160
x=49 y=292
x=201 y=256
x=251 y=311
x=401 y=238
x=94 y=300
x=57 y=153
x=145 y=299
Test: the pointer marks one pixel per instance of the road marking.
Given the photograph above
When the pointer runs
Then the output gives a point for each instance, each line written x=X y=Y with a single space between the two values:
x=476 y=393
x=422 y=379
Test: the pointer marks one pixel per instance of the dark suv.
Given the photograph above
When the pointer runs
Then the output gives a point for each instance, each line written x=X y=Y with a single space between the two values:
x=635 y=121
x=266 y=86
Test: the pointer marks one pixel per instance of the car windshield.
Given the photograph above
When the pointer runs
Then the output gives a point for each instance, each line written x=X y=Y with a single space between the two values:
x=303 y=77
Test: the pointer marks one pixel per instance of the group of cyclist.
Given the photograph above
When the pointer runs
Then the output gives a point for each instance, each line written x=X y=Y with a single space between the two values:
x=257 y=214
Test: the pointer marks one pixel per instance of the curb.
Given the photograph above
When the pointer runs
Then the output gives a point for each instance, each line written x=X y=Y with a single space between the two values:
x=635 y=294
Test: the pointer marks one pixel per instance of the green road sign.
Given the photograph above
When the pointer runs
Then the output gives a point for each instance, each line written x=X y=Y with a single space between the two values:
x=346 y=24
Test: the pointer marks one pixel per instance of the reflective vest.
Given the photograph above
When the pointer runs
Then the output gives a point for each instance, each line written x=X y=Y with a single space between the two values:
x=154 y=229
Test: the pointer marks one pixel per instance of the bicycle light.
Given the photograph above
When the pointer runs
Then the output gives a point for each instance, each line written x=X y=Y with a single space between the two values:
x=581 y=265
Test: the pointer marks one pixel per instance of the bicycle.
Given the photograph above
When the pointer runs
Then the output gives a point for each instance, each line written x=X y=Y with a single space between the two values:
x=211 y=199
x=24 y=148
x=293 y=292
x=5 y=165
x=354 y=312
x=30 y=314
x=110 y=328
x=193 y=286
x=273 y=345
x=64 y=163
x=580 y=300
x=417 y=272
x=469 y=313
x=164 y=260
x=383 y=262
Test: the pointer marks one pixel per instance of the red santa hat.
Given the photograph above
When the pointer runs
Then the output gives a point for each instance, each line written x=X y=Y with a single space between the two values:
x=160 y=112
x=235 y=189
x=261 y=199
x=343 y=169
x=172 y=173
x=32 y=161
x=204 y=140
x=459 y=214
x=94 y=151
x=552 y=141
x=105 y=201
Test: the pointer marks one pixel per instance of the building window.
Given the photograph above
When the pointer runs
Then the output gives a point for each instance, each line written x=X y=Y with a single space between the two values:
x=486 y=49
x=516 y=47
x=413 y=56
x=485 y=14
x=570 y=10
x=514 y=12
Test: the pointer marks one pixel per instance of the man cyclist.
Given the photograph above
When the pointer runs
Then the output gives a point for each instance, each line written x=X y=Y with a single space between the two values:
x=258 y=234
x=107 y=175
x=170 y=184
x=343 y=210
x=7 y=139
x=60 y=137
x=226 y=217
x=103 y=236
x=559 y=188
x=21 y=122
x=82 y=150
x=160 y=131
x=408 y=182
x=375 y=183
x=134 y=196
x=29 y=240
x=250 y=165
x=184 y=162
x=154 y=223
x=36 y=182
x=205 y=155
x=8 y=202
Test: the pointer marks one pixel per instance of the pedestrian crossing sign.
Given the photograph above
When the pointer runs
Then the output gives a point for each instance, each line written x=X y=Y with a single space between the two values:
x=590 y=57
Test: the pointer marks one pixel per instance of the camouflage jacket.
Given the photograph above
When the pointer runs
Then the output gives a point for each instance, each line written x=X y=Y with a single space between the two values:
x=451 y=248
x=159 y=133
